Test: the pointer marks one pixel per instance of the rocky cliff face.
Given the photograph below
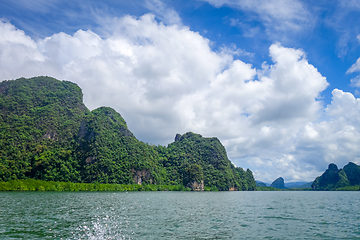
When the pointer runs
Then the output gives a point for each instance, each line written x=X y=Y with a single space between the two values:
x=278 y=183
x=141 y=176
x=196 y=186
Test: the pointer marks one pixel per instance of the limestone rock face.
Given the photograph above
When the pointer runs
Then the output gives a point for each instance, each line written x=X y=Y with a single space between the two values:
x=196 y=186
x=278 y=183
x=177 y=137
x=141 y=176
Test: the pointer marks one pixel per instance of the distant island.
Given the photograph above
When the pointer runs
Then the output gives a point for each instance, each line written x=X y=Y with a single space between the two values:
x=280 y=184
x=333 y=178
x=48 y=134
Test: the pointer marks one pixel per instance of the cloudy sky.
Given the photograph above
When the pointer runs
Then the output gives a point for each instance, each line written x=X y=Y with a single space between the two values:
x=277 y=81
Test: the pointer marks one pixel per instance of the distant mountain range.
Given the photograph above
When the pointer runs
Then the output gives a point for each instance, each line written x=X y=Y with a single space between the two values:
x=287 y=185
x=332 y=179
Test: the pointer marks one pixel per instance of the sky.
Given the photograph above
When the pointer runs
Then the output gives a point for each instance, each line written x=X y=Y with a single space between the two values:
x=277 y=81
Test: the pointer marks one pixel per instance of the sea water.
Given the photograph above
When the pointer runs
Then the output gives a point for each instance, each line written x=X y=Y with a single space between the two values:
x=180 y=215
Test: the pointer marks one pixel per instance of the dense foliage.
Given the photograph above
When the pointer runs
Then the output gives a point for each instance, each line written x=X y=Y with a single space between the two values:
x=47 y=133
x=333 y=178
x=111 y=152
x=39 y=120
x=193 y=157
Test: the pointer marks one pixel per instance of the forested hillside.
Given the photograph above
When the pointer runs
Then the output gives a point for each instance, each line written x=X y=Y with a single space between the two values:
x=39 y=122
x=204 y=159
x=333 y=178
x=47 y=133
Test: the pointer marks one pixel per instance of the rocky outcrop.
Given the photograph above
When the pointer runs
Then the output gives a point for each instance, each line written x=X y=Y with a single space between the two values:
x=140 y=176
x=196 y=186
x=50 y=135
x=278 y=183
x=177 y=137
x=90 y=159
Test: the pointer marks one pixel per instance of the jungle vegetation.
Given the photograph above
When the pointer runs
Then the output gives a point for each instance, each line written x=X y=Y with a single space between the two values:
x=346 y=179
x=48 y=134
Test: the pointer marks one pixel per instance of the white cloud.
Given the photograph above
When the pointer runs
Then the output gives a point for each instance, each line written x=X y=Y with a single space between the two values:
x=18 y=52
x=277 y=16
x=276 y=9
x=166 y=80
x=165 y=13
x=339 y=19
x=355 y=67
x=355 y=82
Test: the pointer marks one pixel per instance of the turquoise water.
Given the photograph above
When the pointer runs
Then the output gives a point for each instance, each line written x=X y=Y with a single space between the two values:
x=180 y=215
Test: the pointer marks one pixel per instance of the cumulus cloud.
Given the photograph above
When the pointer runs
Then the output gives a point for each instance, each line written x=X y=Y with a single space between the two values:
x=335 y=140
x=166 y=79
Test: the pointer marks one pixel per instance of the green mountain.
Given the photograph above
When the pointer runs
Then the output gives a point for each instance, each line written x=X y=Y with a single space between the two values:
x=334 y=178
x=110 y=153
x=195 y=158
x=47 y=133
x=39 y=122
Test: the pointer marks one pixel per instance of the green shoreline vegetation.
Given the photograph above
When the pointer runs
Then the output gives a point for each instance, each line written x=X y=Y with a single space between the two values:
x=39 y=185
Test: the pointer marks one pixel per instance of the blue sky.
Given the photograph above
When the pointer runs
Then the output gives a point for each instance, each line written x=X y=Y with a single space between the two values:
x=276 y=81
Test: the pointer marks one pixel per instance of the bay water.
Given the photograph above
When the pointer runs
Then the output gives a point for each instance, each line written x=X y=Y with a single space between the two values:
x=180 y=215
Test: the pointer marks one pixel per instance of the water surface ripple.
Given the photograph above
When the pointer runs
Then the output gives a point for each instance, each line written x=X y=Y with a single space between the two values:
x=180 y=215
